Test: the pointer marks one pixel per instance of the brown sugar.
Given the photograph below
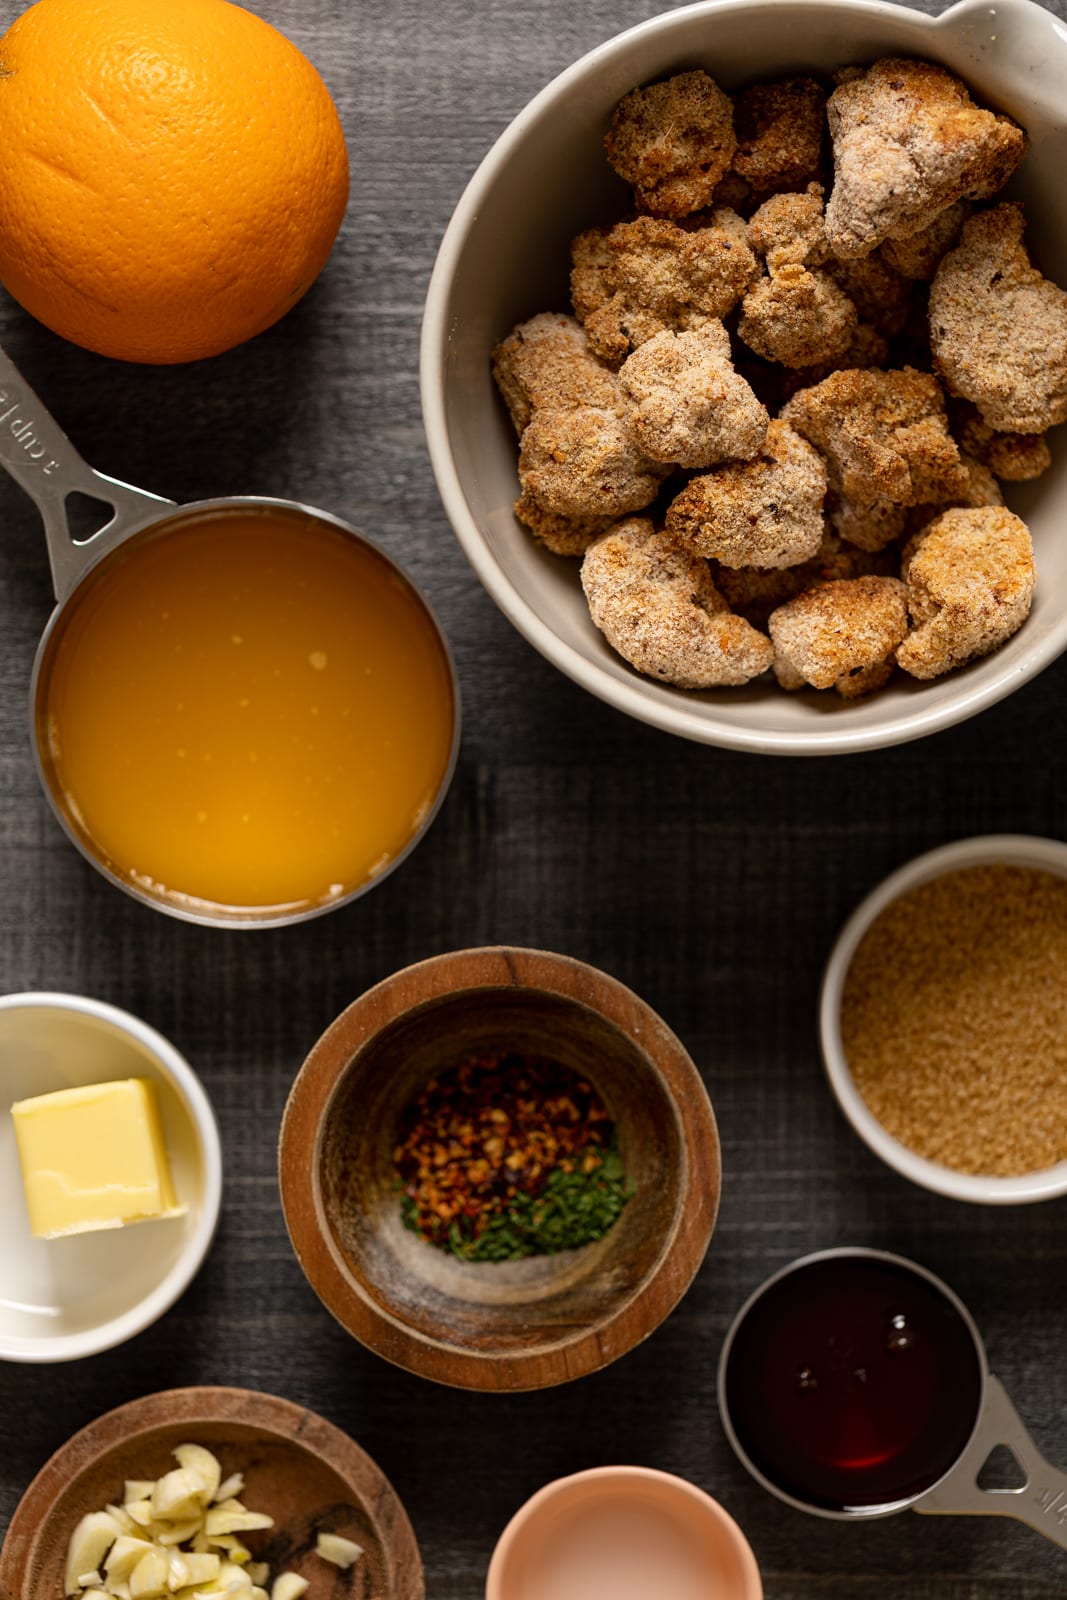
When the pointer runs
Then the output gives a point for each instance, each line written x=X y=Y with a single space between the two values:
x=954 y=1019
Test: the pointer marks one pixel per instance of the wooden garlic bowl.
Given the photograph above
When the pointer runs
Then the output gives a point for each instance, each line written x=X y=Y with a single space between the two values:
x=513 y=1325
x=299 y=1469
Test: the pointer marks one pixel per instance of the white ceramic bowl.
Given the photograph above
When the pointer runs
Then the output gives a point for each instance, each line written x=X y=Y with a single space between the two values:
x=65 y=1298
x=1020 y=850
x=506 y=256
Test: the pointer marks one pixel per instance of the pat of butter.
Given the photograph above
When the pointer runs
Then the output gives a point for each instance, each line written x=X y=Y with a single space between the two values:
x=93 y=1157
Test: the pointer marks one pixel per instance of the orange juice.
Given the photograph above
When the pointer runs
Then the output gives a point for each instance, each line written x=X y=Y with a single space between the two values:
x=246 y=709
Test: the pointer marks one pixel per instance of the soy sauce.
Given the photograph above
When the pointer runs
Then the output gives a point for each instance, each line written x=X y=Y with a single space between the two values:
x=852 y=1383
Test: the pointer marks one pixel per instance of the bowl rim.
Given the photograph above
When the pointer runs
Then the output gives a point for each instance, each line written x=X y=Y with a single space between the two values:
x=1010 y=849
x=267 y=1413
x=683 y=1487
x=413 y=988
x=695 y=721
x=193 y=1096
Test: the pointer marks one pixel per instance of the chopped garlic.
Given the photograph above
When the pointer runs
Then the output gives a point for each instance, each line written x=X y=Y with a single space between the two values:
x=202 y=1464
x=148 y=1580
x=222 y=1519
x=176 y=1538
x=288 y=1586
x=339 y=1552
x=89 y=1543
x=126 y=1552
x=178 y=1495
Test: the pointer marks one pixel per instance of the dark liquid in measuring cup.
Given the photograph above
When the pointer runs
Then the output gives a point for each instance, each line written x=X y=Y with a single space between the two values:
x=853 y=1383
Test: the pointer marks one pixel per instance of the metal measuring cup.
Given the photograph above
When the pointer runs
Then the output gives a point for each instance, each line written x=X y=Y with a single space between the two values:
x=1040 y=1502
x=42 y=460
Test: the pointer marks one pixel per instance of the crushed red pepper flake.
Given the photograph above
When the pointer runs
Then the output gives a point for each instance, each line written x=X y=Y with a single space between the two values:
x=492 y=1128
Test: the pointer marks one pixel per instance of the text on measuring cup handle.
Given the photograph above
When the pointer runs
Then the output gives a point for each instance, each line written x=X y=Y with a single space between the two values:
x=17 y=419
x=1053 y=1502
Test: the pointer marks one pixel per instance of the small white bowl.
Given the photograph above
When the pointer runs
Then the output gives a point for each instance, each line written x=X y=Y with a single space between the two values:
x=1010 y=849
x=506 y=255
x=61 y=1299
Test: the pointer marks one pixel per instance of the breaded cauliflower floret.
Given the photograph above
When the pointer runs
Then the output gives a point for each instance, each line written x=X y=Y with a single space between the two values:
x=919 y=255
x=761 y=513
x=840 y=635
x=687 y=404
x=970 y=581
x=585 y=462
x=998 y=329
x=868 y=525
x=1015 y=457
x=547 y=362
x=798 y=317
x=790 y=229
x=873 y=527
x=882 y=296
x=779 y=134
x=673 y=141
x=884 y=435
x=656 y=605
x=643 y=277
x=909 y=141
x=564 y=536
x=754 y=592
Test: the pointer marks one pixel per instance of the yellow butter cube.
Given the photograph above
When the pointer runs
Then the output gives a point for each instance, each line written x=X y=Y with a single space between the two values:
x=93 y=1157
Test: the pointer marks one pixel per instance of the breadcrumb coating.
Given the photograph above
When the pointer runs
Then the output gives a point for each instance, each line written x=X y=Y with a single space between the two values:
x=733 y=191
x=970 y=581
x=761 y=513
x=884 y=435
x=874 y=527
x=908 y=141
x=790 y=229
x=584 y=462
x=870 y=525
x=780 y=129
x=1015 y=457
x=919 y=255
x=797 y=317
x=564 y=536
x=687 y=404
x=840 y=635
x=882 y=296
x=643 y=277
x=754 y=592
x=998 y=329
x=547 y=362
x=657 y=607
x=673 y=141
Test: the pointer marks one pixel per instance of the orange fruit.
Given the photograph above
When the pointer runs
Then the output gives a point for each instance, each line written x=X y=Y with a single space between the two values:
x=174 y=174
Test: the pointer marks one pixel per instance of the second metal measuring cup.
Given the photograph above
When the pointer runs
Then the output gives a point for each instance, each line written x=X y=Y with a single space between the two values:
x=803 y=1401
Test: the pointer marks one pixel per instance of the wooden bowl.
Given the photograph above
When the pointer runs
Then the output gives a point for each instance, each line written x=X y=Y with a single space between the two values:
x=515 y=1325
x=300 y=1469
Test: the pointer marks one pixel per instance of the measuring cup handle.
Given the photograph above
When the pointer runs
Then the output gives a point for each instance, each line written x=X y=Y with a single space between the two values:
x=1041 y=1501
x=42 y=460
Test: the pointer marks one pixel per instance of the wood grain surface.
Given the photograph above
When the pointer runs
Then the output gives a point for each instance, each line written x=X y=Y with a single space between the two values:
x=711 y=883
x=486 y=1326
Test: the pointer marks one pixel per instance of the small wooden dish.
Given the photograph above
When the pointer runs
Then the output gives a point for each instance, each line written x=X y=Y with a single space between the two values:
x=301 y=1470
x=514 y=1325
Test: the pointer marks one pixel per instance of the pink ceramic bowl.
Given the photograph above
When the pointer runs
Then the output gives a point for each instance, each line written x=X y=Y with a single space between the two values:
x=627 y=1533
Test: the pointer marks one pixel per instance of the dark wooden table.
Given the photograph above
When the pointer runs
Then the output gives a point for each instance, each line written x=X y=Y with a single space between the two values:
x=738 y=873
